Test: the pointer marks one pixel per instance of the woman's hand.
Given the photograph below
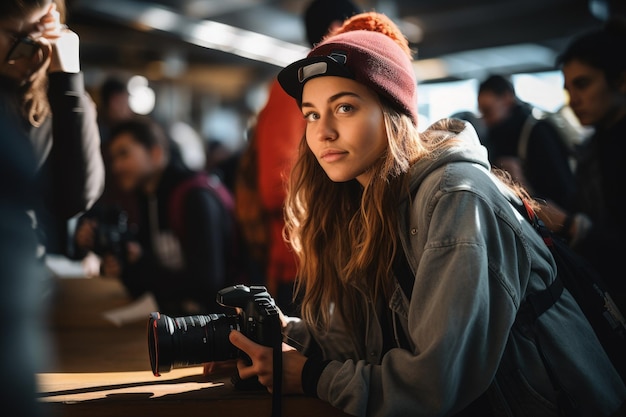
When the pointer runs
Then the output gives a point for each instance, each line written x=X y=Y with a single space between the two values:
x=262 y=364
x=85 y=234
x=110 y=266
x=64 y=42
x=133 y=252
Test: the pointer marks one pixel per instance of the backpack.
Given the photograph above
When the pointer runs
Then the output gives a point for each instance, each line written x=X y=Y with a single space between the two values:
x=585 y=285
x=236 y=273
x=587 y=288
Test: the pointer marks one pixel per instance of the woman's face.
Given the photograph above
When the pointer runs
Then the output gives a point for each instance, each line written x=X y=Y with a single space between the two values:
x=11 y=31
x=591 y=98
x=345 y=127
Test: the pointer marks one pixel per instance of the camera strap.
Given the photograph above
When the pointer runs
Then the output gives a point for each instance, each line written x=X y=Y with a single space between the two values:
x=277 y=365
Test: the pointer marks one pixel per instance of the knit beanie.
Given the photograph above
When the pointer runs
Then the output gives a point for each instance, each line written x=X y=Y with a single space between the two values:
x=370 y=58
x=375 y=22
x=320 y=14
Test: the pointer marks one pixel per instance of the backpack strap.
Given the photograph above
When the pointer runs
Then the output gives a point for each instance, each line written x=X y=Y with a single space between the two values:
x=564 y=131
x=535 y=304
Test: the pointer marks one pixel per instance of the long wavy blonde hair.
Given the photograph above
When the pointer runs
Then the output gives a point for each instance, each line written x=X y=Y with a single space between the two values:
x=344 y=235
x=32 y=97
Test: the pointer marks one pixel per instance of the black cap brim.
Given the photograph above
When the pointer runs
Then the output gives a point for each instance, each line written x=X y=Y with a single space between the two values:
x=293 y=77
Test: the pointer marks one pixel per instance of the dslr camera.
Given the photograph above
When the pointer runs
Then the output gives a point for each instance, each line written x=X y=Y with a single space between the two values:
x=112 y=232
x=175 y=342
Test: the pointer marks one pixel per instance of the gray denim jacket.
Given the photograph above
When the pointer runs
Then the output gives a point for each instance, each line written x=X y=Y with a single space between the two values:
x=474 y=260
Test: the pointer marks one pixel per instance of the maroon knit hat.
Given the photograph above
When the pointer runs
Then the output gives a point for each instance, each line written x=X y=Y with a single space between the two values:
x=370 y=58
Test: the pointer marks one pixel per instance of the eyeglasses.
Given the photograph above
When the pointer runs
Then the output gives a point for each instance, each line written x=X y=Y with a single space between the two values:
x=24 y=47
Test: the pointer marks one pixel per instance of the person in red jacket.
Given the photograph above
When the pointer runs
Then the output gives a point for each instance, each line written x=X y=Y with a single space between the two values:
x=278 y=131
x=273 y=161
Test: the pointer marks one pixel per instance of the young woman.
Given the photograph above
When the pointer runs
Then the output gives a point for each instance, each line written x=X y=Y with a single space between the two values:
x=42 y=88
x=436 y=333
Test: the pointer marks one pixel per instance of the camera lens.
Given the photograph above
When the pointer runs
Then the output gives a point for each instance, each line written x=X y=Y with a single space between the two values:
x=175 y=342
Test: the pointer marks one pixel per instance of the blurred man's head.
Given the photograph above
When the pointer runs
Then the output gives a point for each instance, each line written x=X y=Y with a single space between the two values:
x=496 y=98
x=594 y=74
x=139 y=152
x=115 y=100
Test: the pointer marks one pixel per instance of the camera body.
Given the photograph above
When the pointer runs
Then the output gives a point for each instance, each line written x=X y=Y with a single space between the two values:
x=192 y=340
x=256 y=309
x=112 y=232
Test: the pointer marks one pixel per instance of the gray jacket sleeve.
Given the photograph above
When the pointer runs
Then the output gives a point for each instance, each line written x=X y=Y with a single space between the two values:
x=459 y=319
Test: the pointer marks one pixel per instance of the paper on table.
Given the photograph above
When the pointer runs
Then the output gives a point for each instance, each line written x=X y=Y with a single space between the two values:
x=135 y=311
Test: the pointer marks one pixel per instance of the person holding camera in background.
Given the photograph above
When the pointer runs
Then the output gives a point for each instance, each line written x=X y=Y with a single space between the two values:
x=183 y=248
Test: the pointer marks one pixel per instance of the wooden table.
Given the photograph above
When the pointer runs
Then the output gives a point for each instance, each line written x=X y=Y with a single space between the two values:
x=99 y=369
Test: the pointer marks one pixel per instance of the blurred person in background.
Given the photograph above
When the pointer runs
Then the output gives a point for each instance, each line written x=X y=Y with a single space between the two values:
x=222 y=161
x=531 y=150
x=594 y=71
x=113 y=105
x=183 y=250
x=40 y=74
x=113 y=108
x=274 y=142
x=22 y=272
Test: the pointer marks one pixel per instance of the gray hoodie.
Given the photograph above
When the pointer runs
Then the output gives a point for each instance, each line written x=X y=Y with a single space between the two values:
x=474 y=259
